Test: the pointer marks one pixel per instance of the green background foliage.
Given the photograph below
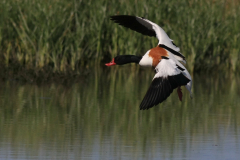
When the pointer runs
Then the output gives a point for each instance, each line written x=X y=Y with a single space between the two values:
x=65 y=36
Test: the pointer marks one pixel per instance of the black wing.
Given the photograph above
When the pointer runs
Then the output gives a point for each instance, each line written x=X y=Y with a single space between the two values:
x=135 y=23
x=161 y=88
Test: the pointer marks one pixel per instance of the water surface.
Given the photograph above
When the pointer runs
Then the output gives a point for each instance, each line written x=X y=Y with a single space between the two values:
x=98 y=117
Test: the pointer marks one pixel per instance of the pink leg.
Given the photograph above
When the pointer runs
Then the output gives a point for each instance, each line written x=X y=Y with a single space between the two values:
x=179 y=91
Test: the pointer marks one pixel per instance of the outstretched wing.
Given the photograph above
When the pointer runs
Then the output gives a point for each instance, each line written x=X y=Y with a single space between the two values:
x=135 y=23
x=168 y=77
x=145 y=27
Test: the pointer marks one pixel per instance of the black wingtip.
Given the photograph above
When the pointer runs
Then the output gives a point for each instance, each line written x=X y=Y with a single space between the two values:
x=120 y=17
x=161 y=88
x=134 y=23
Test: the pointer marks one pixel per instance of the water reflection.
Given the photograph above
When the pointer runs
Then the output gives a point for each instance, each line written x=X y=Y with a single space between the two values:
x=98 y=118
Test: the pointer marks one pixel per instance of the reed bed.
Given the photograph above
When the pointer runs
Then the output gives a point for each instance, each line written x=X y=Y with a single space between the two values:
x=66 y=36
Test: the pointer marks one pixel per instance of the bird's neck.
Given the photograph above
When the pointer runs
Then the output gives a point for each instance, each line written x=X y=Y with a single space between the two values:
x=130 y=59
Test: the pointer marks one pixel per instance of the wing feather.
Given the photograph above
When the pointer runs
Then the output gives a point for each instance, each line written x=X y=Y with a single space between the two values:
x=145 y=27
x=167 y=78
x=135 y=23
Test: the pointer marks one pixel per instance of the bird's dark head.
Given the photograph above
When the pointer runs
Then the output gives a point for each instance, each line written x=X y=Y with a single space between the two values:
x=124 y=59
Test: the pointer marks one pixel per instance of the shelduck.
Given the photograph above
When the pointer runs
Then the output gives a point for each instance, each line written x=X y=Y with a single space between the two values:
x=165 y=58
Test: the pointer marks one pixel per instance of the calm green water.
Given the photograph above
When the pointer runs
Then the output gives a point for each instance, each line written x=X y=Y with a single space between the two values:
x=98 y=118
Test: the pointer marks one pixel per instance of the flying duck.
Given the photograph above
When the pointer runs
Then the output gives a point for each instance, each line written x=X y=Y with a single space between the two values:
x=165 y=58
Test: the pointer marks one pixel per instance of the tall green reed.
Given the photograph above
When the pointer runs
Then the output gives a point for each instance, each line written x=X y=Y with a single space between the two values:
x=62 y=36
